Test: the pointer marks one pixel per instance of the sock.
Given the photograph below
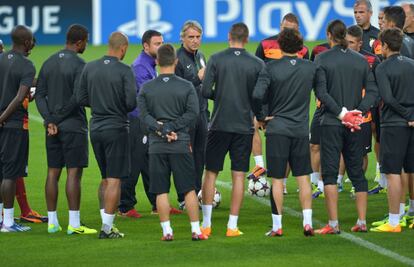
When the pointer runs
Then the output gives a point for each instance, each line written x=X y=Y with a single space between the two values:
x=411 y=210
x=102 y=211
x=361 y=222
x=402 y=209
x=394 y=219
x=377 y=168
x=1 y=212
x=107 y=222
x=383 y=180
x=232 y=224
x=259 y=160
x=320 y=185
x=339 y=180
x=315 y=177
x=277 y=222
x=333 y=223
x=207 y=210
x=195 y=227
x=166 y=228
x=21 y=197
x=74 y=218
x=52 y=218
x=8 y=217
x=284 y=181
x=307 y=217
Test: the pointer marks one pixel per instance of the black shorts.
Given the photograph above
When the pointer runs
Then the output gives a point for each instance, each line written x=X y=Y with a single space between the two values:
x=334 y=141
x=14 y=153
x=315 y=128
x=281 y=150
x=397 y=150
x=239 y=146
x=366 y=137
x=111 y=148
x=68 y=150
x=181 y=166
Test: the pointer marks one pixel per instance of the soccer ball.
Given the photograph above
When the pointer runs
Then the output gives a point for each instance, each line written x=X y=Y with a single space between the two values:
x=216 y=199
x=259 y=188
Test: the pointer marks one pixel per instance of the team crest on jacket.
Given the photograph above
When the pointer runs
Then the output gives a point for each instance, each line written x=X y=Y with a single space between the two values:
x=237 y=53
x=106 y=61
x=10 y=56
x=61 y=55
x=400 y=58
x=293 y=62
x=165 y=79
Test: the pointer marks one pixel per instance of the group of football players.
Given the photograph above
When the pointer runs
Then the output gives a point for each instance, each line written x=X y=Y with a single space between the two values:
x=158 y=125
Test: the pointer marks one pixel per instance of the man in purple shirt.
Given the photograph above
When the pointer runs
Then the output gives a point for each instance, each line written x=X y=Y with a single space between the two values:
x=144 y=70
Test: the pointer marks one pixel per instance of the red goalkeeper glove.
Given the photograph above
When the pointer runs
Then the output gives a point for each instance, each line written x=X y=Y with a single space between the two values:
x=352 y=120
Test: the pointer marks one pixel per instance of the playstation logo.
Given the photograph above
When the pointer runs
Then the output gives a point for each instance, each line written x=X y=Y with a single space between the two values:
x=148 y=16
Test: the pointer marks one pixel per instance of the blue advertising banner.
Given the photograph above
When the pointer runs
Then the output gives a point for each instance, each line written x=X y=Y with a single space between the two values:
x=48 y=19
x=216 y=16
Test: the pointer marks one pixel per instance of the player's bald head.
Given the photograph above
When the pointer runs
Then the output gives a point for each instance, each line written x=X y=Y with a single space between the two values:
x=117 y=40
x=20 y=35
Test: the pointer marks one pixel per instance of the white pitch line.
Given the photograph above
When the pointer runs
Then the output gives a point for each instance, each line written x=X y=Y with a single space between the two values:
x=354 y=239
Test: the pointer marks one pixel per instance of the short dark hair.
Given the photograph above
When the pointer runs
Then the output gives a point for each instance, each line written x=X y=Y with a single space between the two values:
x=239 y=32
x=20 y=34
x=338 y=31
x=290 y=41
x=166 y=55
x=393 y=38
x=75 y=33
x=146 y=37
x=291 y=18
x=395 y=14
x=355 y=31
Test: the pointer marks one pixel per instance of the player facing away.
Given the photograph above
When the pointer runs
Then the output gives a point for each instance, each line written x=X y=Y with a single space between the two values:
x=233 y=74
x=16 y=77
x=144 y=70
x=169 y=107
x=27 y=214
x=66 y=127
x=394 y=17
x=107 y=86
x=286 y=85
x=395 y=77
x=341 y=76
x=269 y=50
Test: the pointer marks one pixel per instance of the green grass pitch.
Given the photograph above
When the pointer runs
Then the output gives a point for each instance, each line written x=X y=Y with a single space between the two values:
x=142 y=245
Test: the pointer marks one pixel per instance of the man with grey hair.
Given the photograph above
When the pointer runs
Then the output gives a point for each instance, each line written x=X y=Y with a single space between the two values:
x=363 y=14
x=191 y=66
x=409 y=20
